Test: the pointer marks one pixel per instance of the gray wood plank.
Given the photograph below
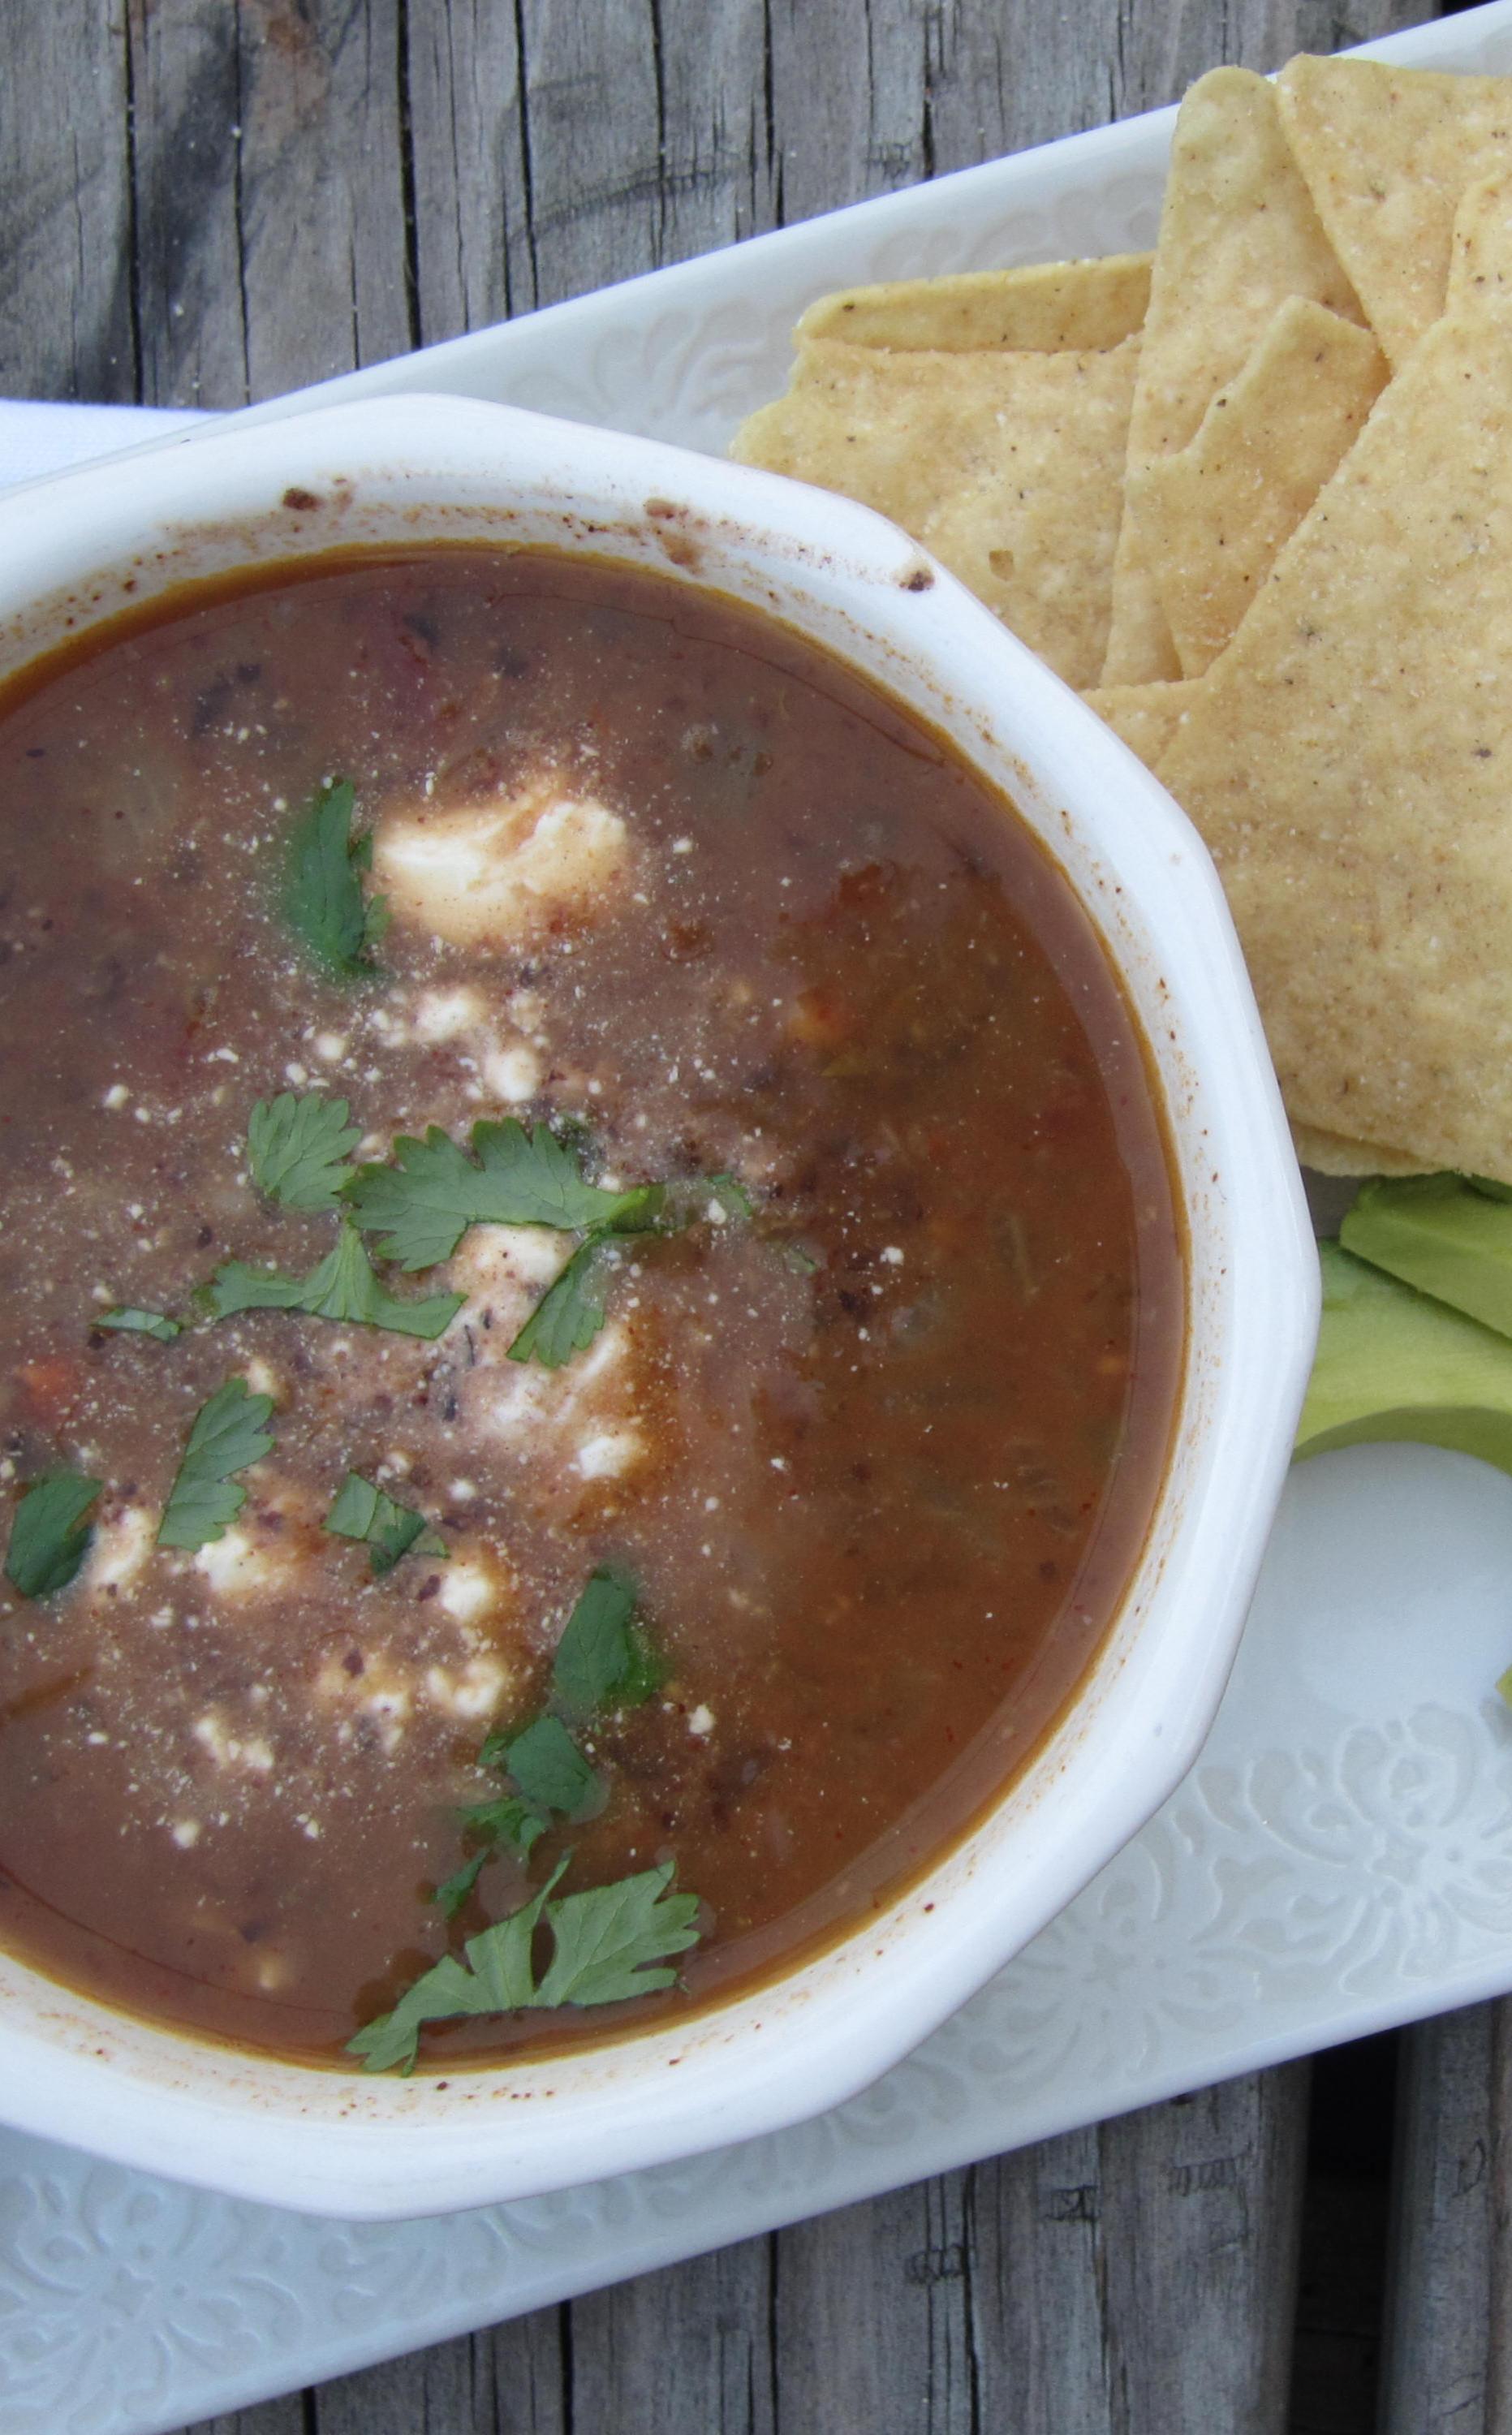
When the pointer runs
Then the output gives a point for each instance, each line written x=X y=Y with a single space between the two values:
x=1139 y=2278
x=593 y=142
x=466 y=165
x=270 y=194
x=690 y=2348
x=186 y=106
x=1449 y=2351
x=66 y=305
x=873 y=2316
x=285 y=2417
x=507 y=2381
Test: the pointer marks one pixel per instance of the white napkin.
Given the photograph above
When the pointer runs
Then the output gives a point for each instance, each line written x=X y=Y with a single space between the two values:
x=40 y=439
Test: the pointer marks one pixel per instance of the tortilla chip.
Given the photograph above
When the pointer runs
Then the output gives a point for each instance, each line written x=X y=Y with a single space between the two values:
x=1213 y=514
x=1144 y=716
x=1348 y=760
x=1481 y=254
x=1238 y=236
x=1007 y=466
x=1388 y=154
x=1330 y=1154
x=1045 y=308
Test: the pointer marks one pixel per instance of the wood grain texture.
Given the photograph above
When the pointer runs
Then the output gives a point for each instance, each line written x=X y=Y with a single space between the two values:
x=1127 y=2280
x=1449 y=2351
x=66 y=271
x=509 y=2382
x=1137 y=2277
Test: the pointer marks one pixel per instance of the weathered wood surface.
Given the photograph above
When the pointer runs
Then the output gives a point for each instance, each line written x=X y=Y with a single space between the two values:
x=1449 y=2355
x=1127 y=2280
x=203 y=202
x=206 y=201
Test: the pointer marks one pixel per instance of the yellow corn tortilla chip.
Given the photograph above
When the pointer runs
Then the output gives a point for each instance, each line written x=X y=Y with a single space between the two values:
x=1387 y=153
x=1007 y=466
x=1044 y=308
x=1481 y=255
x=1348 y=760
x=1331 y=1155
x=1238 y=236
x=1214 y=513
x=1144 y=716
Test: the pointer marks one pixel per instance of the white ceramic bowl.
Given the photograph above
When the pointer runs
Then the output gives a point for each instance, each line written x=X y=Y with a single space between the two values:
x=417 y=469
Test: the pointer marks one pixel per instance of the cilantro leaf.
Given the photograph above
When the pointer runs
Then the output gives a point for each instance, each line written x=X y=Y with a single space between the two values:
x=323 y=897
x=546 y=1764
x=602 y=1660
x=299 y=1148
x=139 y=1323
x=49 y=1537
x=342 y=1288
x=391 y=1530
x=229 y=1431
x=608 y=1943
x=511 y=1822
x=453 y=1891
x=497 y=1976
x=606 y=1938
x=570 y=1312
x=424 y=1203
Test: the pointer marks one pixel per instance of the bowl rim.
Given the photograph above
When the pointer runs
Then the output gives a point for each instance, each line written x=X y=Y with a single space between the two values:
x=331 y=2142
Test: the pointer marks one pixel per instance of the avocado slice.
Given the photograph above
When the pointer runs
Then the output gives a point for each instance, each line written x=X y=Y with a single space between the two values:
x=1392 y=1363
x=1444 y=1234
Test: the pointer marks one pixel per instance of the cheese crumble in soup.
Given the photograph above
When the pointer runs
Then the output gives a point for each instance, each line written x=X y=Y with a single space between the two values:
x=870 y=1266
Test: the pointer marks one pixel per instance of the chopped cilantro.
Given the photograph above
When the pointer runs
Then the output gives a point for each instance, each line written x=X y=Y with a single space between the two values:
x=423 y=1206
x=391 y=1530
x=49 y=1536
x=570 y=1312
x=608 y=1944
x=602 y=1660
x=453 y=1891
x=323 y=897
x=424 y=1203
x=139 y=1323
x=512 y=1822
x=546 y=1764
x=342 y=1288
x=228 y=1432
x=299 y=1148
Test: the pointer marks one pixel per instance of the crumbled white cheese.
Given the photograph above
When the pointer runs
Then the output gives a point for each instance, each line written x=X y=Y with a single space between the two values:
x=227 y=1749
x=499 y=869
x=236 y=1565
x=609 y=1453
x=121 y=1548
x=470 y=1591
x=512 y=1074
x=439 y=1015
x=470 y=1691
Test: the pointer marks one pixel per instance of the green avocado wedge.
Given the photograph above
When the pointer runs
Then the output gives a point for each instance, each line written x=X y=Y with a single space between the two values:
x=1442 y=1233
x=1392 y=1363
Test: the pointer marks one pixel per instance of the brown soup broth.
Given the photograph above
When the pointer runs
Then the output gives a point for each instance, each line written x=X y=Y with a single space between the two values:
x=880 y=1459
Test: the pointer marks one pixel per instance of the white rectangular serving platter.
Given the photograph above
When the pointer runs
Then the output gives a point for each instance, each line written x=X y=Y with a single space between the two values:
x=1338 y=1862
